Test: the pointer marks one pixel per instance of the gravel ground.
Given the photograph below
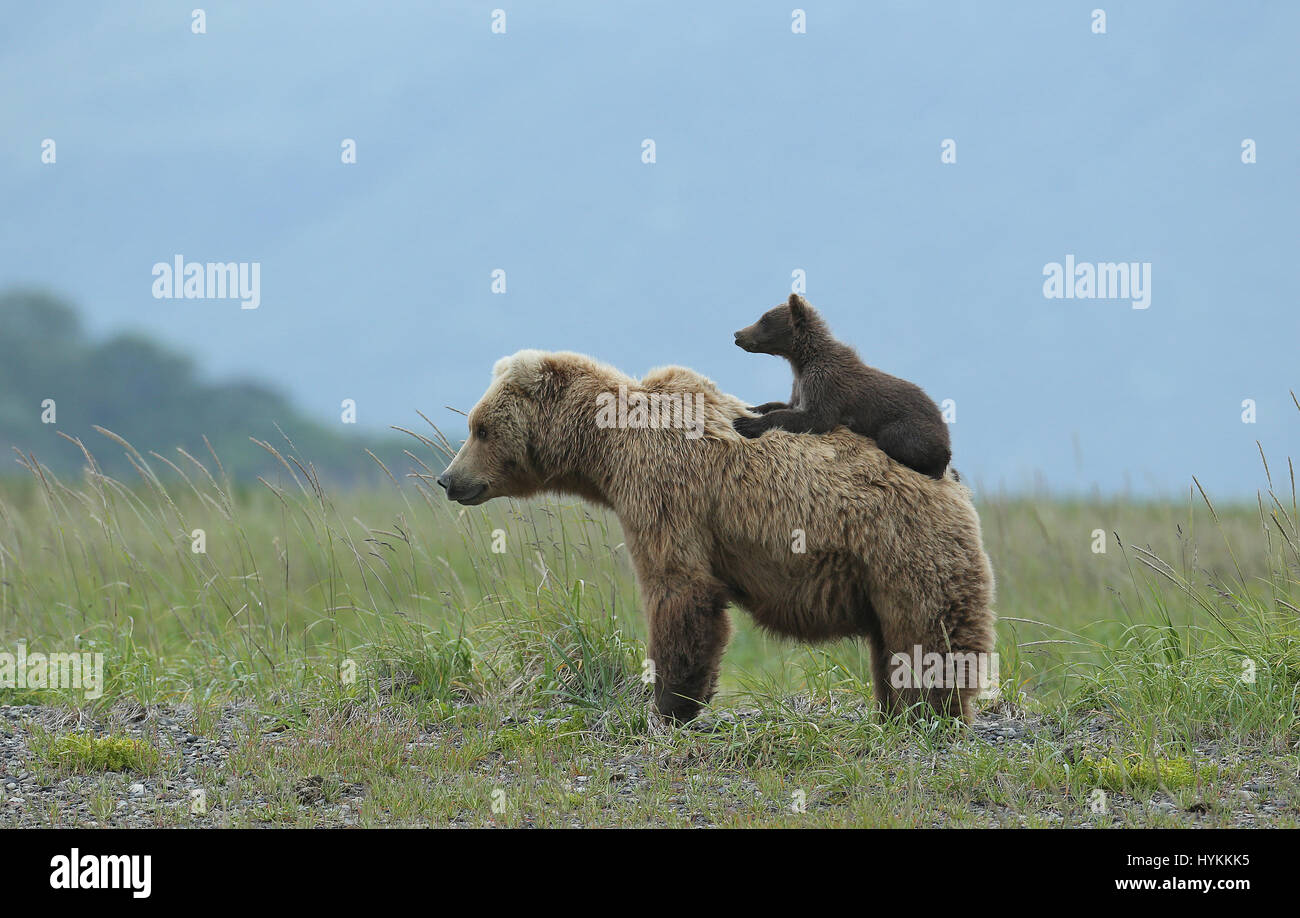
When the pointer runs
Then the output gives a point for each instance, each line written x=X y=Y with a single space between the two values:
x=196 y=758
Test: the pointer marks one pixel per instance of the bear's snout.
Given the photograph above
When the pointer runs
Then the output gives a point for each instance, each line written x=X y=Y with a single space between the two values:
x=459 y=490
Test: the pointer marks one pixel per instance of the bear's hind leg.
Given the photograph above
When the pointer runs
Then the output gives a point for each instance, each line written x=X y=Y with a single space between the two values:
x=900 y=689
x=689 y=629
x=958 y=703
x=918 y=704
x=888 y=700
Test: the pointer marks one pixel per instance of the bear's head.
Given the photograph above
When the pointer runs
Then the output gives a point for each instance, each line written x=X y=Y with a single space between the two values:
x=780 y=329
x=499 y=459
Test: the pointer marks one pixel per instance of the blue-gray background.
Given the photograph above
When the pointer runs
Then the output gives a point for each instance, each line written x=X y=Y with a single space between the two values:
x=775 y=151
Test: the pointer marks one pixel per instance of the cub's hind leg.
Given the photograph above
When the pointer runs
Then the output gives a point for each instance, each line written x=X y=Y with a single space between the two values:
x=915 y=447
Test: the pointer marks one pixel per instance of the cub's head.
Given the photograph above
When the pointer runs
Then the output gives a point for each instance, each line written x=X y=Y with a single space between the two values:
x=497 y=460
x=780 y=329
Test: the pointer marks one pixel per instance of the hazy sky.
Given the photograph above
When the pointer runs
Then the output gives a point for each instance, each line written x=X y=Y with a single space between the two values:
x=775 y=151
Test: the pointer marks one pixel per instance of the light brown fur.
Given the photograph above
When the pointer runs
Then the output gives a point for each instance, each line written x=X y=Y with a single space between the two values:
x=891 y=555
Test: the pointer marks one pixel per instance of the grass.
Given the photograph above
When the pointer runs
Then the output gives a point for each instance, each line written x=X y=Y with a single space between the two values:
x=382 y=657
x=1136 y=771
x=83 y=753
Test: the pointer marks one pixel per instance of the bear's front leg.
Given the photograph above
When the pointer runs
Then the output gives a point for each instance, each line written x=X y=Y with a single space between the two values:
x=793 y=420
x=750 y=427
x=768 y=406
x=689 y=629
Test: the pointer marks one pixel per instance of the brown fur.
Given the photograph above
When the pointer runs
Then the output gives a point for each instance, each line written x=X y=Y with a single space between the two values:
x=890 y=556
x=833 y=386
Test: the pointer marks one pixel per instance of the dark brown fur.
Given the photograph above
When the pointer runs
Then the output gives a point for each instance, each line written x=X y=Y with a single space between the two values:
x=832 y=386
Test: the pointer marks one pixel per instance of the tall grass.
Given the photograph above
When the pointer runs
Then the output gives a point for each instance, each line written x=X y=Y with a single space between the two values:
x=298 y=589
x=288 y=586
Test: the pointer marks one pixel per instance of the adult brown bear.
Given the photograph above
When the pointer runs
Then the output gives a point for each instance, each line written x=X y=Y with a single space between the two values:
x=818 y=537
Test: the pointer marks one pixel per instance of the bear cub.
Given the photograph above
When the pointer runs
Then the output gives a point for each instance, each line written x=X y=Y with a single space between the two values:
x=833 y=386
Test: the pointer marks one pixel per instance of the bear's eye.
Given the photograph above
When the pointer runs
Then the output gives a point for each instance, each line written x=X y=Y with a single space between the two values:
x=482 y=432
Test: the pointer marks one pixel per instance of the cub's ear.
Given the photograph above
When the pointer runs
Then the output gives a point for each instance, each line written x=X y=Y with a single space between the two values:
x=799 y=310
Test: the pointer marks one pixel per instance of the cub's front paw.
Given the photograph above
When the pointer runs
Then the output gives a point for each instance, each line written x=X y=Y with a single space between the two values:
x=749 y=427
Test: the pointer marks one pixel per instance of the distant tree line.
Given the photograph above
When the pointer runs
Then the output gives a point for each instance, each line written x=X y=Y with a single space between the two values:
x=151 y=397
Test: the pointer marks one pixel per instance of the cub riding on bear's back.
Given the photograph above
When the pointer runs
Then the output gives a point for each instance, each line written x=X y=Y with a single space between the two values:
x=832 y=386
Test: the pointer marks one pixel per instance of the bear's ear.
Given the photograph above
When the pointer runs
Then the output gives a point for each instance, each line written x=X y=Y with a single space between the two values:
x=799 y=310
x=501 y=366
x=523 y=368
x=535 y=373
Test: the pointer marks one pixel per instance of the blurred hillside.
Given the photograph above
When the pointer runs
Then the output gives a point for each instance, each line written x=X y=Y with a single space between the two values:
x=156 y=400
